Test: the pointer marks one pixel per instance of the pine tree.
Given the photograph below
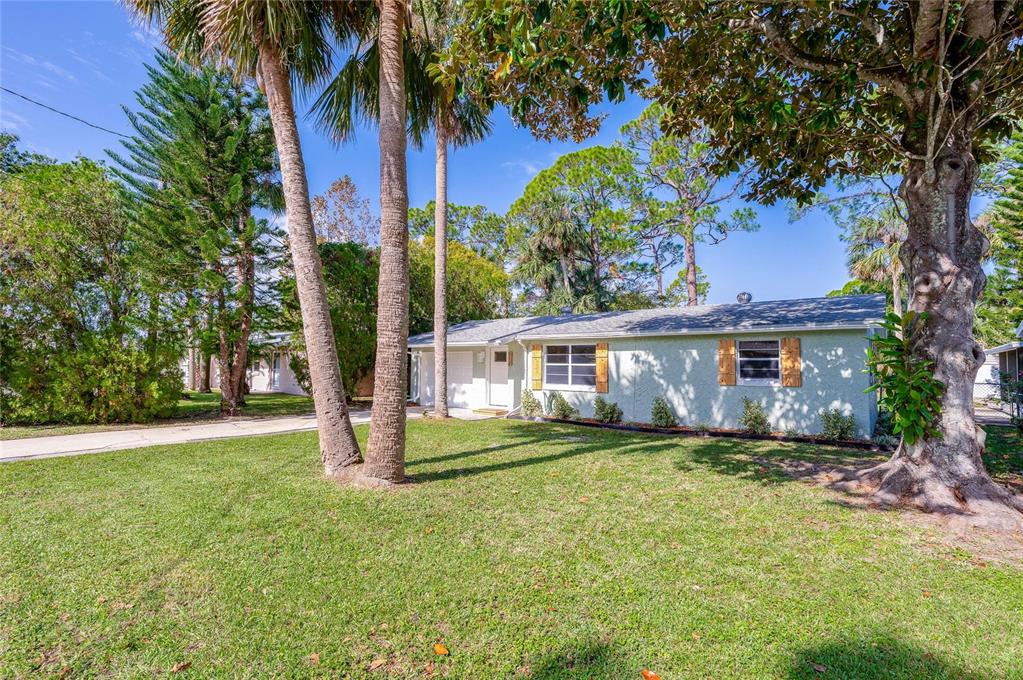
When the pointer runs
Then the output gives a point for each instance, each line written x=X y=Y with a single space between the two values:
x=201 y=160
x=1001 y=308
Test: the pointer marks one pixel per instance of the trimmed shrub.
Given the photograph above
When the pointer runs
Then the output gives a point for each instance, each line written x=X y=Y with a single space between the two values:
x=559 y=408
x=834 y=425
x=754 y=419
x=661 y=415
x=606 y=411
x=531 y=407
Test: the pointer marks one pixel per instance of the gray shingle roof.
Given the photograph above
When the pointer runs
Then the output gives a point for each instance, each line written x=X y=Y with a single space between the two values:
x=853 y=311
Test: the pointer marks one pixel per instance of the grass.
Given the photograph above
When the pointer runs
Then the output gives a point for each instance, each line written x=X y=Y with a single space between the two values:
x=197 y=406
x=529 y=550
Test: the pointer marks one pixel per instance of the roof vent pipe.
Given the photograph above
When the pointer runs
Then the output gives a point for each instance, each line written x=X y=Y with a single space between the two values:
x=744 y=298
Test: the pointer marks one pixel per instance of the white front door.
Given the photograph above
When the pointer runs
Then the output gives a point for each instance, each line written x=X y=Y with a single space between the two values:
x=499 y=391
x=460 y=384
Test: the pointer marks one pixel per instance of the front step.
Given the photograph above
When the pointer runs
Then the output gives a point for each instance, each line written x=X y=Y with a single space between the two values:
x=495 y=412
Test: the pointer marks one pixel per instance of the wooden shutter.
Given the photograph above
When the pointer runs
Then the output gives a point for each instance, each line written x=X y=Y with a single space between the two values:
x=509 y=355
x=602 y=367
x=537 y=376
x=791 y=363
x=726 y=362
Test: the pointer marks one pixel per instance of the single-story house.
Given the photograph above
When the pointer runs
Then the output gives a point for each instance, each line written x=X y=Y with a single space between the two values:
x=1010 y=355
x=1009 y=358
x=269 y=368
x=796 y=357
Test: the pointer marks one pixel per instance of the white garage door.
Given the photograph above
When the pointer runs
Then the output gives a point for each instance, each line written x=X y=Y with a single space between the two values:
x=460 y=386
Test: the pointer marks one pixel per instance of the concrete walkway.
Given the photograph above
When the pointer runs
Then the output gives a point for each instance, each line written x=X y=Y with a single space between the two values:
x=985 y=415
x=98 y=442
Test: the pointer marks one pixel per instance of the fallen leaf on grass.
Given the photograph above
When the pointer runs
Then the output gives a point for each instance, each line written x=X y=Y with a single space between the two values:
x=314 y=658
x=697 y=635
x=927 y=593
x=440 y=650
x=819 y=667
x=649 y=675
x=181 y=666
x=429 y=668
x=428 y=530
x=584 y=499
x=375 y=664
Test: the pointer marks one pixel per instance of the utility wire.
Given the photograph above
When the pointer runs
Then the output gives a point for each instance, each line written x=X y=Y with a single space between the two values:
x=67 y=115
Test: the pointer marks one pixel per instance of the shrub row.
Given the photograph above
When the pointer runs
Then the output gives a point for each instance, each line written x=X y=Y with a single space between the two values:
x=834 y=424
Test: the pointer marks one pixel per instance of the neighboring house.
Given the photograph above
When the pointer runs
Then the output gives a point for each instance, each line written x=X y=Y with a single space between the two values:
x=796 y=357
x=1010 y=365
x=269 y=368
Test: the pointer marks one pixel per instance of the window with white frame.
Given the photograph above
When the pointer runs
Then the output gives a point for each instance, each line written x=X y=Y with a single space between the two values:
x=571 y=365
x=759 y=360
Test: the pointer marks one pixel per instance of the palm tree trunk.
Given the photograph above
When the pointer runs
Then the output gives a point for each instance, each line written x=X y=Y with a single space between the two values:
x=440 y=277
x=338 y=446
x=385 y=457
x=897 y=287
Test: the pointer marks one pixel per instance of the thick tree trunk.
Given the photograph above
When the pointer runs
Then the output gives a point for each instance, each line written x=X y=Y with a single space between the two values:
x=440 y=278
x=385 y=457
x=942 y=257
x=338 y=446
x=245 y=273
x=205 y=379
x=691 y=288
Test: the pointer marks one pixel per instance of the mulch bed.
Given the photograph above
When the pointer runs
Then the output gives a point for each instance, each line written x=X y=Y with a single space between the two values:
x=682 y=431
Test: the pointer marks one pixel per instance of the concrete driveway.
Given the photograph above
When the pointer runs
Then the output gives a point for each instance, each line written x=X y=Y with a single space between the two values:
x=98 y=442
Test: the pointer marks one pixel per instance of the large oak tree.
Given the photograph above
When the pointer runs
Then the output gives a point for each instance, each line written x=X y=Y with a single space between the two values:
x=808 y=92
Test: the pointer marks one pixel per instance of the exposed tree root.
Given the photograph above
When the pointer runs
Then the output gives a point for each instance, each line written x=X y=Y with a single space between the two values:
x=968 y=502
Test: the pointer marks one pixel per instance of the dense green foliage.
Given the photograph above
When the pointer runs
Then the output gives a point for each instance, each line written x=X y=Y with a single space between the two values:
x=350 y=273
x=478 y=289
x=79 y=341
x=904 y=380
x=573 y=553
x=608 y=227
x=754 y=418
x=606 y=411
x=485 y=232
x=202 y=159
x=837 y=425
x=661 y=414
x=1001 y=308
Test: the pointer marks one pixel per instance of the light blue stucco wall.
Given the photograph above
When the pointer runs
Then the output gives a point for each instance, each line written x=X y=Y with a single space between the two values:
x=685 y=371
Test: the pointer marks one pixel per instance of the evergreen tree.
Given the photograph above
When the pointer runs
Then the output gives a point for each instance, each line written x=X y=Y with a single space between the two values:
x=200 y=162
x=1001 y=308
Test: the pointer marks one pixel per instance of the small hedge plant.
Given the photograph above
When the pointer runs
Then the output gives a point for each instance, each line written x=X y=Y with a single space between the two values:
x=559 y=408
x=531 y=407
x=754 y=419
x=661 y=415
x=834 y=425
x=606 y=411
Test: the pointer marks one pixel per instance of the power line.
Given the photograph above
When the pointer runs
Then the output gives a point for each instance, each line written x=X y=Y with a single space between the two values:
x=67 y=115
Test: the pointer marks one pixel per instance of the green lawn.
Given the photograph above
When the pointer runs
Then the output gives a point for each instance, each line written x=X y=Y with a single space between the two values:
x=197 y=406
x=529 y=550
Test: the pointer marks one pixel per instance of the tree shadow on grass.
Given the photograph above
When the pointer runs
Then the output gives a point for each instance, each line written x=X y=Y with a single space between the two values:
x=775 y=463
x=879 y=656
x=596 y=660
x=571 y=442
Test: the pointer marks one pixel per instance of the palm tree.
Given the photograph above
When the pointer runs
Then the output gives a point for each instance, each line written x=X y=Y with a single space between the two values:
x=872 y=253
x=457 y=120
x=275 y=40
x=385 y=456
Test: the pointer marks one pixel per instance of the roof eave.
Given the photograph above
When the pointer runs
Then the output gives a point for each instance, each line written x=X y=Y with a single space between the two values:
x=865 y=325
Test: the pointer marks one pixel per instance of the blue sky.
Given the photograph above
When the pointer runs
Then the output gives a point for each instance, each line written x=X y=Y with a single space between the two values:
x=87 y=58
